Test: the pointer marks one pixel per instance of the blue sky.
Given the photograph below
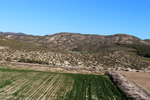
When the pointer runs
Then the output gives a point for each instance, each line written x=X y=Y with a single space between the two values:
x=103 y=17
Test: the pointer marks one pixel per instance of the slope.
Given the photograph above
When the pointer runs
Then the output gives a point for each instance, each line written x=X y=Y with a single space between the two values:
x=81 y=42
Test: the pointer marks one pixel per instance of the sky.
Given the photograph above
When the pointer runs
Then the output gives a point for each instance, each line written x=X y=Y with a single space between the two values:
x=102 y=17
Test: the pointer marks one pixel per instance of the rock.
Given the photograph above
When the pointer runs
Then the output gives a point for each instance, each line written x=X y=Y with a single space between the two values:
x=66 y=62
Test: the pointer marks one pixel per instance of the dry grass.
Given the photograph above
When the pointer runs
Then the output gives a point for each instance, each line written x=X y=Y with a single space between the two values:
x=141 y=78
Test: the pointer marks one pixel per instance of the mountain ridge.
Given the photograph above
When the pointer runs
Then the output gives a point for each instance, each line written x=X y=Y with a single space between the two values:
x=23 y=34
x=80 y=42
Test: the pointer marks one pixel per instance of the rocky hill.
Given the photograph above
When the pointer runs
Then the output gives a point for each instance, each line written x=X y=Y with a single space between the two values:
x=80 y=42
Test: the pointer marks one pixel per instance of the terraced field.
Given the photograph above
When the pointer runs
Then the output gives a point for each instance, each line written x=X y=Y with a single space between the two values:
x=37 y=85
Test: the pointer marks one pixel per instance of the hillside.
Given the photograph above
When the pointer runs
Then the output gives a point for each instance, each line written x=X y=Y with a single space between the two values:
x=18 y=45
x=76 y=50
x=80 y=42
x=147 y=40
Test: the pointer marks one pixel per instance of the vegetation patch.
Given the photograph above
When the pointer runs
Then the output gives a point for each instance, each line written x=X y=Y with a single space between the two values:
x=143 y=50
x=145 y=59
x=37 y=85
x=93 y=87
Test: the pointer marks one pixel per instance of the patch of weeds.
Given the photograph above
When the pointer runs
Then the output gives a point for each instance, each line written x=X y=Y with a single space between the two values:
x=3 y=84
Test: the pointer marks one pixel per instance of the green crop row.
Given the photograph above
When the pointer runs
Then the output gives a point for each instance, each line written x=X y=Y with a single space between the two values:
x=28 y=84
x=93 y=87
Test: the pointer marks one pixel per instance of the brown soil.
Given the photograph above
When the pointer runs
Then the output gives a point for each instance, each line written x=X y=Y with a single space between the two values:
x=140 y=78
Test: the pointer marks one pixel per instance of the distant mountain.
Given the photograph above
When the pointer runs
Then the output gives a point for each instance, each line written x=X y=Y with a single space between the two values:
x=10 y=34
x=80 y=42
x=77 y=41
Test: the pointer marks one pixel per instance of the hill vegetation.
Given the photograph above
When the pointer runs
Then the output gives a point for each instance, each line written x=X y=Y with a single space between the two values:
x=18 y=45
x=142 y=50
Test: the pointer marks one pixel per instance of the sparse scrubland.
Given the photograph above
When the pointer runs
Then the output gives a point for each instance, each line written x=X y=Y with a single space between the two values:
x=96 y=60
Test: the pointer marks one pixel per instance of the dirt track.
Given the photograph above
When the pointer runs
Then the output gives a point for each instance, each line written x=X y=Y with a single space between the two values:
x=59 y=69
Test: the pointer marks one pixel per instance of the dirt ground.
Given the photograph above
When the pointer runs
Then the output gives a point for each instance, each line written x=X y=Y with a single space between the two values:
x=140 y=78
x=39 y=67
